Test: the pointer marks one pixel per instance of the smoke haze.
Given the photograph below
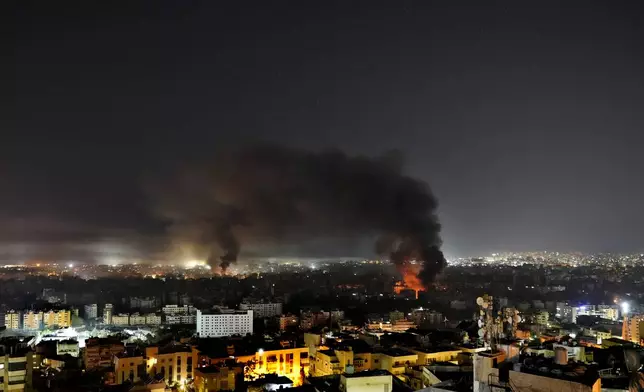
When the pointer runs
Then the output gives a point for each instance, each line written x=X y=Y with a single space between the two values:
x=268 y=194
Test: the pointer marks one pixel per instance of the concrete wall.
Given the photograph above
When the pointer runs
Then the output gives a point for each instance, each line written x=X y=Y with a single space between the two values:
x=366 y=384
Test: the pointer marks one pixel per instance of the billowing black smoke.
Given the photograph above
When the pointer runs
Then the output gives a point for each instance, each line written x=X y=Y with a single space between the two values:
x=274 y=194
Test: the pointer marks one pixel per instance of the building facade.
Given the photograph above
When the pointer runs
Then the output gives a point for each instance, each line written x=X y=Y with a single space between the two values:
x=13 y=319
x=121 y=319
x=108 y=311
x=15 y=365
x=100 y=351
x=91 y=311
x=263 y=309
x=224 y=322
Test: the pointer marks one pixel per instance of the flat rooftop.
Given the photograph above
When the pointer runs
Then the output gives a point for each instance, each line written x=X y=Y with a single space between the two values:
x=546 y=367
x=397 y=352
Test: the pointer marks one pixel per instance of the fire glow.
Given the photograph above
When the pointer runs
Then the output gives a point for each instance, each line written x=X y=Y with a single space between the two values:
x=410 y=280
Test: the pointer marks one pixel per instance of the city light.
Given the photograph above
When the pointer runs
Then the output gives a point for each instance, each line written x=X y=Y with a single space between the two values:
x=625 y=307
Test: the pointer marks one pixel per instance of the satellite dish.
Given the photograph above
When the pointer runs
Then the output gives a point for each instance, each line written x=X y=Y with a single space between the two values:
x=479 y=301
x=480 y=323
x=481 y=332
x=517 y=318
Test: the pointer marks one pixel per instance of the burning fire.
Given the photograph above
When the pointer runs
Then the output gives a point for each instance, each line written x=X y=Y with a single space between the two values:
x=410 y=280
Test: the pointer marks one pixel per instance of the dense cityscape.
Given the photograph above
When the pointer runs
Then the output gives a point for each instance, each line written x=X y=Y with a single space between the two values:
x=71 y=326
x=321 y=196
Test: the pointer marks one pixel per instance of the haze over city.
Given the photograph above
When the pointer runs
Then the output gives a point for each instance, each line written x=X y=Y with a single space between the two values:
x=321 y=196
x=520 y=117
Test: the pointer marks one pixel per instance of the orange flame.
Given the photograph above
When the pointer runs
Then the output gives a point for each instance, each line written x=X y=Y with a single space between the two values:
x=410 y=278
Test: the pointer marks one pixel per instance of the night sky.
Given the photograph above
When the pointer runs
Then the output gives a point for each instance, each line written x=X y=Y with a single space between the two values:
x=525 y=117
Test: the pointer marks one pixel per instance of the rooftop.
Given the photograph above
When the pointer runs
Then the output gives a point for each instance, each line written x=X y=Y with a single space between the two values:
x=546 y=367
x=367 y=373
x=397 y=352
x=223 y=311
x=430 y=350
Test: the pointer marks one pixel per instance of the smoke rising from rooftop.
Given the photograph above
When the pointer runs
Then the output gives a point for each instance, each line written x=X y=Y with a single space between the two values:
x=274 y=194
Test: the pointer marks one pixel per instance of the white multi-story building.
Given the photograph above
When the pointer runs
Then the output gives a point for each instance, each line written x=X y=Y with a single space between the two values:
x=263 y=310
x=224 y=322
x=91 y=312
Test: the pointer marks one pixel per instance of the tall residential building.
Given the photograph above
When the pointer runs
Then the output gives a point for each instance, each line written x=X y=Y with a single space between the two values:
x=108 y=311
x=15 y=365
x=633 y=328
x=57 y=318
x=12 y=319
x=36 y=320
x=263 y=309
x=91 y=312
x=224 y=322
x=32 y=320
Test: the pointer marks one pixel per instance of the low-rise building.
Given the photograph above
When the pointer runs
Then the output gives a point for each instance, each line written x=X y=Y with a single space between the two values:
x=175 y=363
x=430 y=356
x=176 y=309
x=215 y=378
x=128 y=367
x=262 y=309
x=68 y=347
x=174 y=319
x=100 y=351
x=369 y=381
x=492 y=372
x=121 y=319
x=137 y=319
x=152 y=319
x=288 y=321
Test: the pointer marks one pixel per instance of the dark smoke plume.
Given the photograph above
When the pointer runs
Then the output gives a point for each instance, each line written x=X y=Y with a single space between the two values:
x=274 y=194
